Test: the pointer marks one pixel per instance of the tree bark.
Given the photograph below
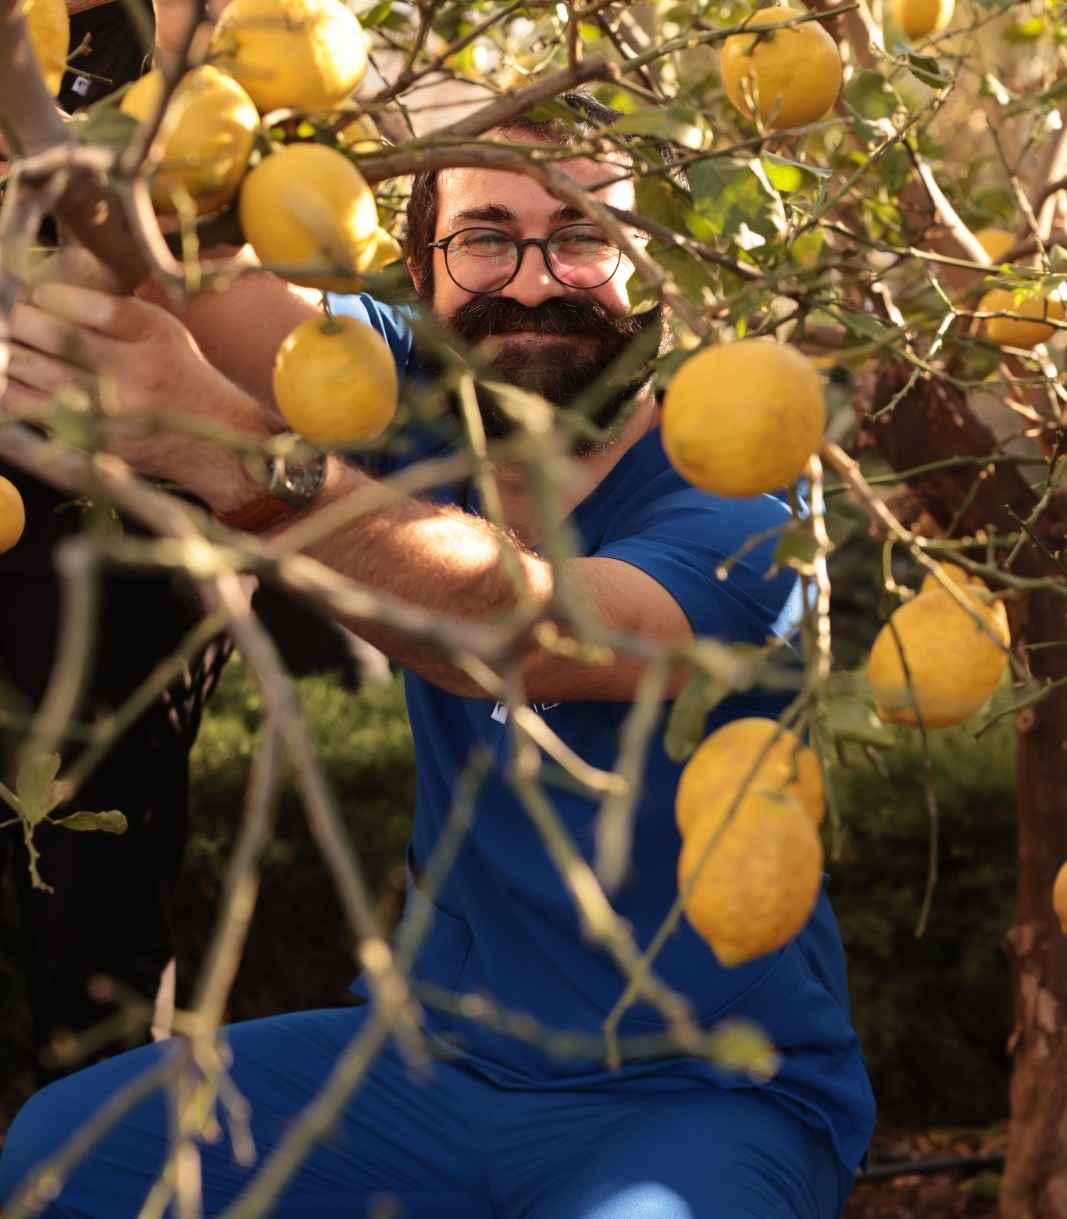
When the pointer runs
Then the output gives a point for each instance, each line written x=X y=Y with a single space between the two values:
x=931 y=422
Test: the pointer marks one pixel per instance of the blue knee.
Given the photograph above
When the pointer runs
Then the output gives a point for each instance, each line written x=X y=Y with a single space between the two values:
x=37 y=1133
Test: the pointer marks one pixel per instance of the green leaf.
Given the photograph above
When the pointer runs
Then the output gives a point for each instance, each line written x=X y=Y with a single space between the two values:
x=35 y=786
x=740 y=1045
x=787 y=175
x=1025 y=31
x=1008 y=699
x=685 y=724
x=111 y=822
x=796 y=547
x=869 y=96
x=852 y=720
x=864 y=324
x=680 y=124
x=663 y=202
x=927 y=69
x=806 y=248
x=376 y=15
x=727 y=195
x=107 y=126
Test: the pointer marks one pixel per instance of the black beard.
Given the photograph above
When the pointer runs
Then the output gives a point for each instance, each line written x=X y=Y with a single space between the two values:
x=556 y=367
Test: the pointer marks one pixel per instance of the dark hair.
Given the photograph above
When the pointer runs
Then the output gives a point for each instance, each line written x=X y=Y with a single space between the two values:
x=588 y=116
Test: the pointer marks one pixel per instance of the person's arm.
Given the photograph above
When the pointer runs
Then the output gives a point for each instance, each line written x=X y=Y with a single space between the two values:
x=449 y=561
x=240 y=328
x=441 y=560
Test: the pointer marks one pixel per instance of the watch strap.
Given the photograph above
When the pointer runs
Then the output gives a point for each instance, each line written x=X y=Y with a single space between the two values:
x=258 y=514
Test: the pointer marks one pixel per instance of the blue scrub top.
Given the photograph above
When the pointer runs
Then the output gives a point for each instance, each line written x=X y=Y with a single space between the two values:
x=504 y=923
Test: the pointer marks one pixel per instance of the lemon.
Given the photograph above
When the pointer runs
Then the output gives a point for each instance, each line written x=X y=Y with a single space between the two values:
x=722 y=761
x=12 y=514
x=793 y=75
x=307 y=206
x=1059 y=897
x=954 y=663
x=293 y=54
x=957 y=575
x=1028 y=327
x=921 y=18
x=996 y=242
x=743 y=418
x=49 y=30
x=335 y=381
x=205 y=139
x=761 y=879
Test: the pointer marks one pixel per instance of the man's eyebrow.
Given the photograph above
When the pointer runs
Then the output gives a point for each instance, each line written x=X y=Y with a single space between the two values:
x=494 y=212
x=497 y=213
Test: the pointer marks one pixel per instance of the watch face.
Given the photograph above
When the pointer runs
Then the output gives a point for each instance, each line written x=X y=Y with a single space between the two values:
x=298 y=481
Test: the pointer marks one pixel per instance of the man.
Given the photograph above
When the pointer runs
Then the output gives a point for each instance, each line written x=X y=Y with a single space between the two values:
x=499 y=1127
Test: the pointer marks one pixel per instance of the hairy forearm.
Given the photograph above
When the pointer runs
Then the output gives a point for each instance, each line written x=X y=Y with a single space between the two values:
x=440 y=559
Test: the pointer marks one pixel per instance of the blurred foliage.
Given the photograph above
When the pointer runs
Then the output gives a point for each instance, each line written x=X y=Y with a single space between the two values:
x=933 y=1014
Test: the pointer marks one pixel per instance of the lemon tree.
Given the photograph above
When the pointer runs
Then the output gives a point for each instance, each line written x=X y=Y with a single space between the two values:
x=824 y=205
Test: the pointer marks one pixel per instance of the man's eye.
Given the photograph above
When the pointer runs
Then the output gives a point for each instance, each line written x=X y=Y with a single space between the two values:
x=483 y=242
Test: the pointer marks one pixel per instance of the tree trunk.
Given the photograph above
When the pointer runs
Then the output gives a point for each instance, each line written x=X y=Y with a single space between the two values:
x=1035 y=1182
x=931 y=422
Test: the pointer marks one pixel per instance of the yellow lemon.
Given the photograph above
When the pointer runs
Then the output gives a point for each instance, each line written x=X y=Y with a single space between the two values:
x=793 y=75
x=921 y=18
x=996 y=242
x=950 y=571
x=1059 y=897
x=294 y=54
x=335 y=382
x=721 y=763
x=1029 y=325
x=953 y=662
x=205 y=139
x=49 y=30
x=307 y=206
x=12 y=514
x=743 y=418
x=760 y=881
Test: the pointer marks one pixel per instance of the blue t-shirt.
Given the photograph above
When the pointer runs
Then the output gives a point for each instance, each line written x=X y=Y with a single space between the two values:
x=504 y=923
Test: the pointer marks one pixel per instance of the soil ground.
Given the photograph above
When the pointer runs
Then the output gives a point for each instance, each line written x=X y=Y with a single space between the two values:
x=970 y=1194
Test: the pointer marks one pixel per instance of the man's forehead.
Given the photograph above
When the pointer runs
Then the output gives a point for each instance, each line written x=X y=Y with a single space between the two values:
x=467 y=189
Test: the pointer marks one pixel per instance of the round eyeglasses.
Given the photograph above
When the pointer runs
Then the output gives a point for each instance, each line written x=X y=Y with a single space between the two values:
x=486 y=260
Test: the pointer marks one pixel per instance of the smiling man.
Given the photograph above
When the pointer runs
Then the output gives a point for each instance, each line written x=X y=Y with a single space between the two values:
x=502 y=1127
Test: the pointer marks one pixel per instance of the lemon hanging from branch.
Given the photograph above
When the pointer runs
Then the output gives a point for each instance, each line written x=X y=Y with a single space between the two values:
x=335 y=382
x=757 y=885
x=205 y=138
x=955 y=657
x=724 y=760
x=743 y=418
x=1029 y=323
x=792 y=76
x=307 y=210
x=293 y=54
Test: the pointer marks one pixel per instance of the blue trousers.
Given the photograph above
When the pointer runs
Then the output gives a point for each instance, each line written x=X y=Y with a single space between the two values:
x=446 y=1144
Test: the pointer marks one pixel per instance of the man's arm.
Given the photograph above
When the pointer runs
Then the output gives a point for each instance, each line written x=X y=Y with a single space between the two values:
x=441 y=560
x=458 y=564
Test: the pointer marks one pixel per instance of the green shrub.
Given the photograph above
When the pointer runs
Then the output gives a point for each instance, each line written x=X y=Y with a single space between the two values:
x=933 y=1013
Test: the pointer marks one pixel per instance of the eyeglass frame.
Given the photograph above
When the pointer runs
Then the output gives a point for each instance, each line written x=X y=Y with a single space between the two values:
x=521 y=244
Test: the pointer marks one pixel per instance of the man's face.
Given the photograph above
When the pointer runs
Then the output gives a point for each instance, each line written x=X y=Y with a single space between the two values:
x=542 y=335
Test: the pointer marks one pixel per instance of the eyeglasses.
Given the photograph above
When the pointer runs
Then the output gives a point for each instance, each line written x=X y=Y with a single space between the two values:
x=486 y=260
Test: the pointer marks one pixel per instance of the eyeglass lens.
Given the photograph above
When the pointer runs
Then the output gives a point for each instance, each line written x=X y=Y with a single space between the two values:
x=482 y=260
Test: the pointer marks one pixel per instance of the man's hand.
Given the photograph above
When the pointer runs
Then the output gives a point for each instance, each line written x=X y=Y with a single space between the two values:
x=142 y=360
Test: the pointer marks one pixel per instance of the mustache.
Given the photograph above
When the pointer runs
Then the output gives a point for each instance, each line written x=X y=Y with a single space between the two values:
x=559 y=317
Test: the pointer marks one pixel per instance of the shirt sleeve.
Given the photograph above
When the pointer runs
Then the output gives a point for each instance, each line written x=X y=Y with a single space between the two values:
x=390 y=321
x=682 y=539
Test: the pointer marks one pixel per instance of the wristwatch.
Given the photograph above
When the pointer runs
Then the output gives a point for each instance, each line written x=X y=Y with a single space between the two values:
x=290 y=482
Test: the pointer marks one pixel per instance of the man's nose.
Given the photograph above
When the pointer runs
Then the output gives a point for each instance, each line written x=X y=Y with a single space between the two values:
x=532 y=283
